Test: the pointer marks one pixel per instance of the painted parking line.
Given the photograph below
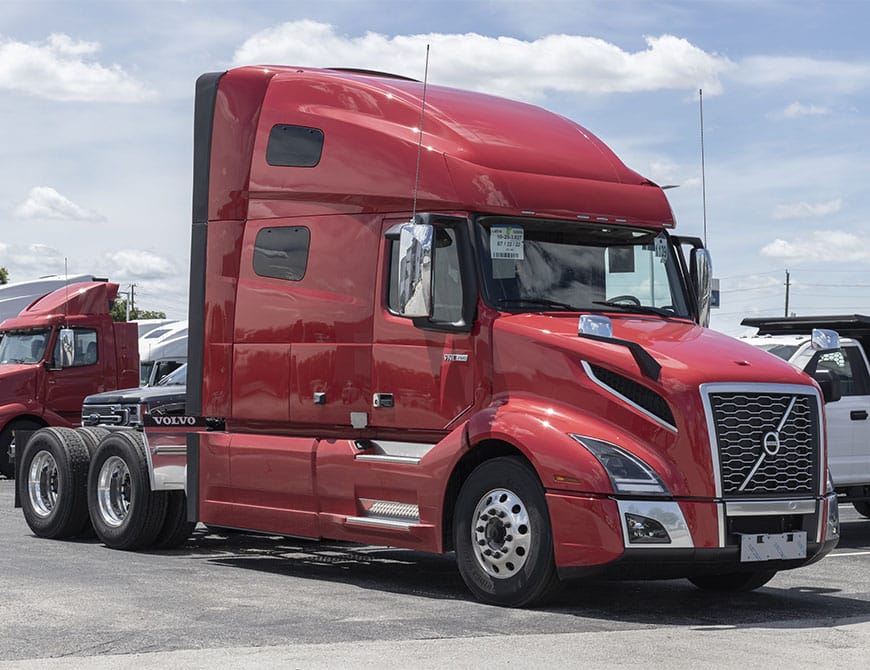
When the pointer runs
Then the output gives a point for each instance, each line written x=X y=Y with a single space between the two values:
x=851 y=553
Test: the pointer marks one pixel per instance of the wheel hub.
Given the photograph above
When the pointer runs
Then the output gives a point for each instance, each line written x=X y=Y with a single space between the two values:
x=501 y=533
x=114 y=491
x=43 y=483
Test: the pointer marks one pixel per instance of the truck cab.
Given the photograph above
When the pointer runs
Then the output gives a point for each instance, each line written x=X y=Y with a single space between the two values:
x=59 y=349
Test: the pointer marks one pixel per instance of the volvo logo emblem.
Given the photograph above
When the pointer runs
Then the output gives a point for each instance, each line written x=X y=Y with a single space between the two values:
x=770 y=444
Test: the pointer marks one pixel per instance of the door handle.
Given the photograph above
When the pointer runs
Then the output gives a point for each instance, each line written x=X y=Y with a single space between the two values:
x=858 y=414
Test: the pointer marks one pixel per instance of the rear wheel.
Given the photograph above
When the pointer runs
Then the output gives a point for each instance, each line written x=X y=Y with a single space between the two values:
x=7 y=436
x=733 y=581
x=52 y=487
x=92 y=436
x=502 y=535
x=125 y=513
x=176 y=528
x=862 y=507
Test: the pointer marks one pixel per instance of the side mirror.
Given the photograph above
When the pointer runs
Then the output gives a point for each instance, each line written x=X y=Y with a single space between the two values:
x=67 y=339
x=415 y=270
x=701 y=269
x=825 y=340
x=830 y=385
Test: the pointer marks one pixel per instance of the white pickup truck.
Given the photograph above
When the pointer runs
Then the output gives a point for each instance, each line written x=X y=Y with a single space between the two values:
x=847 y=419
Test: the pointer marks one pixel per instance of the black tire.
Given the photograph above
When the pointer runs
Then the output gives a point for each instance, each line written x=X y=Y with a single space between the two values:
x=53 y=483
x=502 y=535
x=92 y=436
x=862 y=507
x=176 y=528
x=733 y=581
x=7 y=466
x=125 y=513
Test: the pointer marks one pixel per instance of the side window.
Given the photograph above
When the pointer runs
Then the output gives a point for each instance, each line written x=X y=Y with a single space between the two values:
x=86 y=349
x=282 y=252
x=294 y=146
x=447 y=295
x=848 y=366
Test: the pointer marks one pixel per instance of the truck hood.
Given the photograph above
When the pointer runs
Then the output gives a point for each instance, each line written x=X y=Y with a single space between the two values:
x=540 y=364
x=135 y=396
x=17 y=383
x=688 y=354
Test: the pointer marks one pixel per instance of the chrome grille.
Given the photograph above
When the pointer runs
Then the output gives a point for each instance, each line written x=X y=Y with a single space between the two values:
x=110 y=415
x=768 y=443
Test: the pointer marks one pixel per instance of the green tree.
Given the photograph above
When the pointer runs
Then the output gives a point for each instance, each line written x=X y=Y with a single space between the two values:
x=119 y=312
x=4 y=276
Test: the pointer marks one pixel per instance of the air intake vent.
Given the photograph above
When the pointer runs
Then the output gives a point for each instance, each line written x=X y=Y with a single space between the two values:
x=637 y=394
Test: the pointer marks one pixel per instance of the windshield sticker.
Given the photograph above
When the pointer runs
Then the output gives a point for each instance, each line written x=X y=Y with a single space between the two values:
x=506 y=242
x=662 y=248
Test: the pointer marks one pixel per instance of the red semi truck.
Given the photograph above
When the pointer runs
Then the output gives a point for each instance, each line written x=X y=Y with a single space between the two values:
x=59 y=349
x=481 y=338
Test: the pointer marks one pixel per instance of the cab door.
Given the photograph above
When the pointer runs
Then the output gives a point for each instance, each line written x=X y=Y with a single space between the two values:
x=424 y=368
x=848 y=419
x=80 y=376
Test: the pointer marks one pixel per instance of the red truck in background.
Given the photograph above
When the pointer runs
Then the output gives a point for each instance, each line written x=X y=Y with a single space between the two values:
x=59 y=349
x=480 y=338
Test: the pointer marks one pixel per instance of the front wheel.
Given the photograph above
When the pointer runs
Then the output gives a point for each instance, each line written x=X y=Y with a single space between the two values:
x=733 y=581
x=862 y=507
x=125 y=512
x=502 y=535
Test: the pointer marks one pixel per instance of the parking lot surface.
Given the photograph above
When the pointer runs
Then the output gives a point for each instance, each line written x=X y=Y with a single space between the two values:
x=247 y=601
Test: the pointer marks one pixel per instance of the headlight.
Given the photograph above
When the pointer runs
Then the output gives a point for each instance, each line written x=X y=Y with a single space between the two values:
x=628 y=474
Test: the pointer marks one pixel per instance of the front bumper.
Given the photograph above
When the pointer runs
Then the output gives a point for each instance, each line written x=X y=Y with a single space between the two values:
x=591 y=537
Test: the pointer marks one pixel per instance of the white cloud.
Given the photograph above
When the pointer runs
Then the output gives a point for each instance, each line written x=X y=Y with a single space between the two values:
x=31 y=261
x=60 y=69
x=796 y=110
x=137 y=264
x=821 y=246
x=500 y=65
x=43 y=202
x=805 y=210
x=770 y=70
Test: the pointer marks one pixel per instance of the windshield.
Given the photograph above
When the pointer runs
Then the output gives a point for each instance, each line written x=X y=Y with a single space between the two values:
x=176 y=377
x=550 y=265
x=784 y=351
x=24 y=346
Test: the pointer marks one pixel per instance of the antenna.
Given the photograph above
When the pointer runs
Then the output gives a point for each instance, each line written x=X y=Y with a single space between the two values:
x=703 y=176
x=66 y=290
x=420 y=138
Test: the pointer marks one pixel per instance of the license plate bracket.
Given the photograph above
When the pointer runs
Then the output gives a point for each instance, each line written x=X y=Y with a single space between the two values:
x=756 y=547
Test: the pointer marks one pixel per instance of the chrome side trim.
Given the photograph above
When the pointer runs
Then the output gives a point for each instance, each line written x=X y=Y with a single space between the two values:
x=668 y=514
x=770 y=507
x=378 y=458
x=385 y=451
x=588 y=370
x=375 y=521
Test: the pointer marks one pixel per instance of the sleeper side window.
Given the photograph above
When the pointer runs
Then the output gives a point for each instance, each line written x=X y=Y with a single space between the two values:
x=282 y=252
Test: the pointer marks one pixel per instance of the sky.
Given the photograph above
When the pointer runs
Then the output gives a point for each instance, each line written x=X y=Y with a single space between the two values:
x=96 y=108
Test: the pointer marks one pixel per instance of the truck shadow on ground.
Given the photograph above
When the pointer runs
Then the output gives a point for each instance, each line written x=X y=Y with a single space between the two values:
x=662 y=602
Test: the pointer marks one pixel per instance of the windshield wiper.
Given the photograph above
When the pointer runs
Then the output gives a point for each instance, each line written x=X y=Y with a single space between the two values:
x=638 y=309
x=543 y=302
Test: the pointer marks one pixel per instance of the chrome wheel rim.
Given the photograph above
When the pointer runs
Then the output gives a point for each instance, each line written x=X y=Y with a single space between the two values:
x=501 y=533
x=43 y=485
x=114 y=491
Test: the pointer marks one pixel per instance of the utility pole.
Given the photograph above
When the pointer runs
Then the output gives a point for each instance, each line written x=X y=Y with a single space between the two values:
x=787 y=285
x=133 y=302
